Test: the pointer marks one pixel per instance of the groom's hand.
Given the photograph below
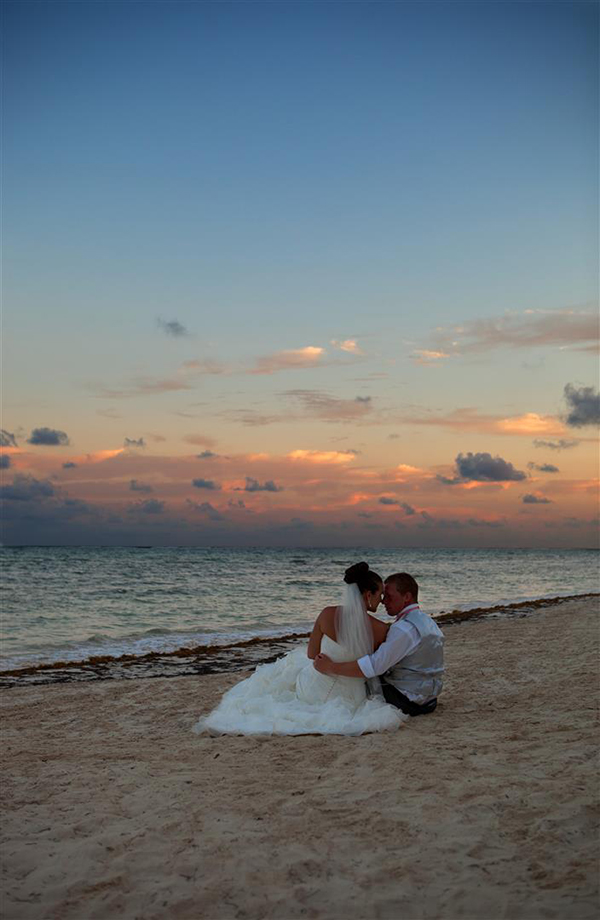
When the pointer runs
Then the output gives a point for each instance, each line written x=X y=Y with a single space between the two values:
x=323 y=663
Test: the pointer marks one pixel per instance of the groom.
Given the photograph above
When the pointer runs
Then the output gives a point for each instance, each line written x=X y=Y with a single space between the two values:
x=410 y=661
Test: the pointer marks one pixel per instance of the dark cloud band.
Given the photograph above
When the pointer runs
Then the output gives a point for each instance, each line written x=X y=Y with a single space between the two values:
x=49 y=437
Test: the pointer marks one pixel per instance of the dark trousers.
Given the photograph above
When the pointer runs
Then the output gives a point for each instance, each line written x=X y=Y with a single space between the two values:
x=410 y=708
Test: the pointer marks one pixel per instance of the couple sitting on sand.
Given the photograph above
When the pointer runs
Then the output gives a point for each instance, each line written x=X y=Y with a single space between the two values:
x=361 y=674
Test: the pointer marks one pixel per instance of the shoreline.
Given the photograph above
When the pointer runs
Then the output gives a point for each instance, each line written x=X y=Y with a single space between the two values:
x=227 y=657
x=486 y=808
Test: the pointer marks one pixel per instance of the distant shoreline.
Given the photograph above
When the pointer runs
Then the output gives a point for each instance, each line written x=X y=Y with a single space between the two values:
x=230 y=657
x=308 y=549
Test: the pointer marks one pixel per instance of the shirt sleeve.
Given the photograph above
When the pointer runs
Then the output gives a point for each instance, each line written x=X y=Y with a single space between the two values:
x=402 y=639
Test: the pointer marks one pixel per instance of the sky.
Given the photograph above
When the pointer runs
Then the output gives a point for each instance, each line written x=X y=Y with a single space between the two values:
x=300 y=274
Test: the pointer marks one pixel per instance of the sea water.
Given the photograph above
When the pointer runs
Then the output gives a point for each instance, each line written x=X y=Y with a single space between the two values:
x=71 y=603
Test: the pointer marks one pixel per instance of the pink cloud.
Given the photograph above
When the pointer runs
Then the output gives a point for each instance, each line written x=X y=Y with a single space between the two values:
x=575 y=328
x=205 y=366
x=143 y=386
x=200 y=440
x=349 y=345
x=317 y=404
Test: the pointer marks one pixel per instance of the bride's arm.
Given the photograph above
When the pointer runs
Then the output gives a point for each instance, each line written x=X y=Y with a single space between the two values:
x=314 y=643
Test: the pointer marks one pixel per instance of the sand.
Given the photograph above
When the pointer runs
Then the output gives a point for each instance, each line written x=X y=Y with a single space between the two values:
x=486 y=809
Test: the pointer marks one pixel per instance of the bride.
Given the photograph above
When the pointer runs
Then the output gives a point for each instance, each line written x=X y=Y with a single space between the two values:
x=289 y=697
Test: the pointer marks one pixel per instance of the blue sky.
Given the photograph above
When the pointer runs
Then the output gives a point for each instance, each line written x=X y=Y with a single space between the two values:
x=278 y=176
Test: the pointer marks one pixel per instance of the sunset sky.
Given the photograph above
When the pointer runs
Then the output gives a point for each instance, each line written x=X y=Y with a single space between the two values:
x=313 y=274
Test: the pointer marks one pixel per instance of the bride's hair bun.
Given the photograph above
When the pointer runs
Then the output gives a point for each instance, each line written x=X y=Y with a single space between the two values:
x=363 y=577
x=356 y=573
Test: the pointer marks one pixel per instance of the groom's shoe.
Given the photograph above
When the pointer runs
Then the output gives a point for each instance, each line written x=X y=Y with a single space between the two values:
x=428 y=707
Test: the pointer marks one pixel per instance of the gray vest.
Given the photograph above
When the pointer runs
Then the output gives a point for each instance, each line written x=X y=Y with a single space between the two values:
x=419 y=675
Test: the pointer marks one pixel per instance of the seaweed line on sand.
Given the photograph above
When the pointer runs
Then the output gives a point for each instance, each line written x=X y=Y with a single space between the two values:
x=215 y=659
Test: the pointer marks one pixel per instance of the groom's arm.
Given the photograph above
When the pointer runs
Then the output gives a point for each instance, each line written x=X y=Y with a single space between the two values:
x=402 y=639
x=325 y=665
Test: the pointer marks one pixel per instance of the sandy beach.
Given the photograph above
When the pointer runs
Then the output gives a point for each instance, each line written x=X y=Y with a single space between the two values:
x=488 y=808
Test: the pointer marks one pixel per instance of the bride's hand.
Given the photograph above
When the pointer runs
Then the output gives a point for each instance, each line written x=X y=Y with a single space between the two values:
x=322 y=663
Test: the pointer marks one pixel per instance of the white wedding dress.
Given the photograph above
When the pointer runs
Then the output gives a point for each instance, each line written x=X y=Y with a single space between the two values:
x=290 y=697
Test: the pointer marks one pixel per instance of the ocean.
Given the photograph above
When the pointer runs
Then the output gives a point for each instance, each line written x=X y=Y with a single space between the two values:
x=72 y=604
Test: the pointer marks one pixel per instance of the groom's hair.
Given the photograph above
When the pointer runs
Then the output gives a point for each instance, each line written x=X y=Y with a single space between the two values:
x=404 y=583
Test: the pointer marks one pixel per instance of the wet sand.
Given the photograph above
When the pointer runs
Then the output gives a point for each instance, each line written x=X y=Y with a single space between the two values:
x=488 y=808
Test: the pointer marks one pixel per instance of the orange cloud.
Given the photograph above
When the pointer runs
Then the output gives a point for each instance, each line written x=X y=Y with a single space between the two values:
x=586 y=485
x=426 y=357
x=531 y=424
x=322 y=456
x=408 y=470
x=358 y=497
x=464 y=419
x=470 y=419
x=96 y=457
x=291 y=359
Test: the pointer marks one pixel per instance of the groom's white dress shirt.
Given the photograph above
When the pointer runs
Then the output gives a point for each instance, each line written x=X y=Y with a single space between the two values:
x=402 y=639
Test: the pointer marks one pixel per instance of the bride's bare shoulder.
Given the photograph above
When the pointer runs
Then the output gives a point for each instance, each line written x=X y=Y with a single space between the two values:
x=328 y=612
x=326 y=621
x=380 y=630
